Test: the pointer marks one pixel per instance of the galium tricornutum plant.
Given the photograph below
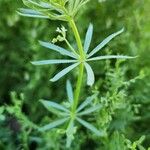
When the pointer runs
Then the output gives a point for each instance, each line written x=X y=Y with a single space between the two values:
x=66 y=10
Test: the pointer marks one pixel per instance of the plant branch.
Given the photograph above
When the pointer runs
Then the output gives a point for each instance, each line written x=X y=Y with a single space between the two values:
x=78 y=87
x=81 y=66
x=70 y=46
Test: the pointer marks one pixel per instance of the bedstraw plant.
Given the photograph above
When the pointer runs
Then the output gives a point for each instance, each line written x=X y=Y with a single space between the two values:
x=73 y=110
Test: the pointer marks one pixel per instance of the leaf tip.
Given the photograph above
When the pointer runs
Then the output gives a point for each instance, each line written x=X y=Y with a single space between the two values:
x=41 y=100
x=52 y=80
x=33 y=62
x=90 y=84
x=91 y=25
x=40 y=42
x=18 y=12
x=136 y=56
x=122 y=30
x=132 y=57
x=68 y=82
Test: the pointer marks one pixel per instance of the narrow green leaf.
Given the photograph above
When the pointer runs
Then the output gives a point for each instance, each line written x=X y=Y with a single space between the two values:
x=50 y=104
x=45 y=5
x=54 y=16
x=64 y=72
x=70 y=6
x=88 y=38
x=54 y=61
x=57 y=112
x=81 y=4
x=69 y=91
x=86 y=102
x=90 y=110
x=58 y=49
x=104 y=42
x=33 y=4
x=110 y=57
x=70 y=133
x=31 y=13
x=76 y=3
x=89 y=126
x=90 y=74
x=58 y=7
x=53 y=124
x=30 y=3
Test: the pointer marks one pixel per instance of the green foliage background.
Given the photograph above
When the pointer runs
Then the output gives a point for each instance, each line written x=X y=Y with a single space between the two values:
x=124 y=87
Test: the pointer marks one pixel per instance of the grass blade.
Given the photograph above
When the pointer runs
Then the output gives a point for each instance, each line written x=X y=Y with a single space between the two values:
x=90 y=74
x=64 y=72
x=90 y=110
x=58 y=49
x=86 y=102
x=89 y=126
x=104 y=42
x=53 y=124
x=54 y=61
x=88 y=38
x=69 y=91
x=110 y=57
x=50 y=104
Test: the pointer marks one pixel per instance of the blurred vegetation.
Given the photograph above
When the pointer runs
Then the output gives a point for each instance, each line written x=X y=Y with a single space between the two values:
x=124 y=87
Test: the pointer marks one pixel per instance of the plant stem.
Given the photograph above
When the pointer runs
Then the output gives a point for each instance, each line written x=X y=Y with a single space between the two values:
x=71 y=47
x=81 y=66
x=78 y=87
x=78 y=39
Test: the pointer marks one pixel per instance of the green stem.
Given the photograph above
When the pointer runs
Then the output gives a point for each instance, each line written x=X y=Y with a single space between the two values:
x=78 y=87
x=81 y=66
x=78 y=39
x=71 y=47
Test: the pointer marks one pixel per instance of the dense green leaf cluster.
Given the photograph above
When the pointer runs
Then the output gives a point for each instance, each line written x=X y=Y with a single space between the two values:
x=52 y=9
